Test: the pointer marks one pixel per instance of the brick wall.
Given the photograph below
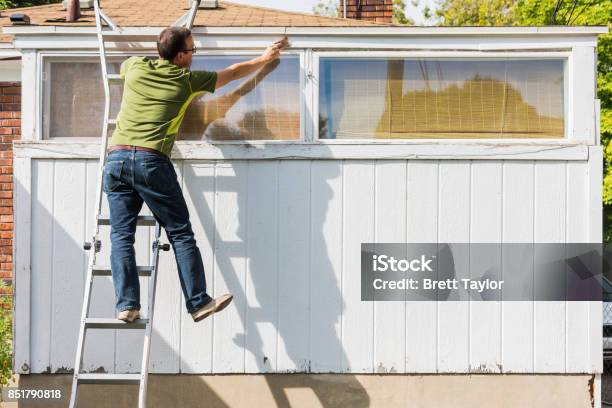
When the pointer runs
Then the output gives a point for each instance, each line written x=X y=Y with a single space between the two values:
x=372 y=10
x=10 y=129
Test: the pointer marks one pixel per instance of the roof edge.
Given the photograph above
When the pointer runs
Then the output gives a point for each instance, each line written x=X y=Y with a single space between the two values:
x=365 y=30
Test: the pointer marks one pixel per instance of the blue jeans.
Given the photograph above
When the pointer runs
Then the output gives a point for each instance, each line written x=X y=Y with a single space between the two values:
x=130 y=178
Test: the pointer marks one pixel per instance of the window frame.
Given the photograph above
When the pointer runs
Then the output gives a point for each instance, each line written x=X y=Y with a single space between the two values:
x=45 y=59
x=460 y=55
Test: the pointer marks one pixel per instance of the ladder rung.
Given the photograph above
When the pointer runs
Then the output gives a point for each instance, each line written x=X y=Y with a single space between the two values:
x=105 y=270
x=112 y=122
x=105 y=378
x=106 y=323
x=118 y=36
x=145 y=220
x=115 y=78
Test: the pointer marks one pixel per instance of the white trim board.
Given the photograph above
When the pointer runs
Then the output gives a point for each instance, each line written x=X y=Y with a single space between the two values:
x=358 y=31
x=261 y=40
x=468 y=149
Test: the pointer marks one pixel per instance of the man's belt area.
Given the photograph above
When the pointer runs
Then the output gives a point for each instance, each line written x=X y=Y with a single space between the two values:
x=130 y=147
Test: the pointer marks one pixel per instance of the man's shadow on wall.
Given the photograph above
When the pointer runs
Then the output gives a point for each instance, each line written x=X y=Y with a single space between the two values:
x=343 y=392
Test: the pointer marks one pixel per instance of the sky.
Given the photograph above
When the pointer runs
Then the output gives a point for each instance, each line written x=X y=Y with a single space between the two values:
x=307 y=5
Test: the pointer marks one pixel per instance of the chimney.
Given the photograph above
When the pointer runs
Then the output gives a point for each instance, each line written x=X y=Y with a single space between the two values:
x=380 y=11
x=73 y=11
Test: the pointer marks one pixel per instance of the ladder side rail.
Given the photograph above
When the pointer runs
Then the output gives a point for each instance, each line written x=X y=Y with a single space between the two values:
x=144 y=370
x=93 y=247
x=188 y=18
x=104 y=142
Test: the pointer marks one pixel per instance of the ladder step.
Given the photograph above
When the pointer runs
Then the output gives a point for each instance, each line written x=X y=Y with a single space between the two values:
x=145 y=220
x=106 y=323
x=105 y=270
x=105 y=378
x=114 y=78
x=121 y=36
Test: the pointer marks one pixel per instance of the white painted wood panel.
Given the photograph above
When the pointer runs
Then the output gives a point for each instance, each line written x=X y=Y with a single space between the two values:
x=326 y=303
x=454 y=227
x=262 y=277
x=422 y=226
x=284 y=237
x=229 y=341
x=518 y=227
x=390 y=226
x=550 y=226
x=357 y=227
x=169 y=306
x=486 y=226
x=22 y=277
x=293 y=265
x=577 y=230
x=99 y=350
x=199 y=191
x=69 y=260
x=42 y=265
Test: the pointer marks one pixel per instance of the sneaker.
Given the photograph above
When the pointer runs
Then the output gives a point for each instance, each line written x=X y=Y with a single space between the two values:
x=214 y=306
x=128 y=315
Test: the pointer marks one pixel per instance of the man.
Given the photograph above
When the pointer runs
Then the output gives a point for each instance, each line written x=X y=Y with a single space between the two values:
x=138 y=168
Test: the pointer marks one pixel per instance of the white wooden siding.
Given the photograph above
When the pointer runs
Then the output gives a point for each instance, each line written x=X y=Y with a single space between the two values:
x=284 y=237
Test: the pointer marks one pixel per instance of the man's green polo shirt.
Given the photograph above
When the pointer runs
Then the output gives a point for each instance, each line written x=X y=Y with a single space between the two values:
x=156 y=94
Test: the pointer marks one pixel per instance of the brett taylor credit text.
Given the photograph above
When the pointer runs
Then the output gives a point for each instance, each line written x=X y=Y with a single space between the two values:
x=383 y=263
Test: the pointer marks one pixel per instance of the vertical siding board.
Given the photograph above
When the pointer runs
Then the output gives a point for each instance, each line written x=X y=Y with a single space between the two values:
x=390 y=317
x=293 y=267
x=577 y=231
x=262 y=254
x=169 y=305
x=22 y=278
x=358 y=227
x=518 y=227
x=42 y=264
x=231 y=215
x=486 y=224
x=550 y=212
x=454 y=227
x=594 y=217
x=199 y=191
x=421 y=226
x=326 y=302
x=68 y=260
x=99 y=351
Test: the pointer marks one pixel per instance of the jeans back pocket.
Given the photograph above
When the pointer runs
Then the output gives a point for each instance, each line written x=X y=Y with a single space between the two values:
x=112 y=175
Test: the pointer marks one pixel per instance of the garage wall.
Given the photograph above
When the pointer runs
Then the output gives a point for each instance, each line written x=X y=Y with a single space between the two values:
x=284 y=237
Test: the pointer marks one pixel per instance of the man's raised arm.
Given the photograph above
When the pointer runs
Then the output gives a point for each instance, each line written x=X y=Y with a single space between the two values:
x=242 y=69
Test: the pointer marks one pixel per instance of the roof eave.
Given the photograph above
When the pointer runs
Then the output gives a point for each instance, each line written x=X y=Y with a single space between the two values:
x=364 y=30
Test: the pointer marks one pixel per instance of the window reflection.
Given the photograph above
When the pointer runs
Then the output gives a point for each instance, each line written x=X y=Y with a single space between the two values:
x=264 y=105
x=425 y=98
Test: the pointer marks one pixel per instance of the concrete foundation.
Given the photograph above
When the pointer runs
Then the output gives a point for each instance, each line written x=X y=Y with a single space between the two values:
x=327 y=391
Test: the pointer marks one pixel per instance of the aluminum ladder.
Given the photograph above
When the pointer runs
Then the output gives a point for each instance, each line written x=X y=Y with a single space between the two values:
x=110 y=32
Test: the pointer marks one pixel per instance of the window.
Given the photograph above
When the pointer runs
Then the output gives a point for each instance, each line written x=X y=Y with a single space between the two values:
x=74 y=97
x=407 y=98
x=265 y=105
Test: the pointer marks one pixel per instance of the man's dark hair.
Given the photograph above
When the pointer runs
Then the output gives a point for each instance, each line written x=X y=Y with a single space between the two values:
x=171 y=41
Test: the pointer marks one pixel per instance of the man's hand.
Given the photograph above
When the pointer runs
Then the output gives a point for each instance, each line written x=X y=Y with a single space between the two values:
x=273 y=51
x=243 y=69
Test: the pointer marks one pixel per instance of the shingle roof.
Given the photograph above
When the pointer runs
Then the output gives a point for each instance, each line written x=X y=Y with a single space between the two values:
x=162 y=13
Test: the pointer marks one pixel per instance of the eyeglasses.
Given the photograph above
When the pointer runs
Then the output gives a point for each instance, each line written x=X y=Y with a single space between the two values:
x=193 y=50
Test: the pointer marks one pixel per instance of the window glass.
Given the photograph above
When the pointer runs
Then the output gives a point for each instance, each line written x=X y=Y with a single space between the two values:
x=264 y=105
x=74 y=98
x=362 y=98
